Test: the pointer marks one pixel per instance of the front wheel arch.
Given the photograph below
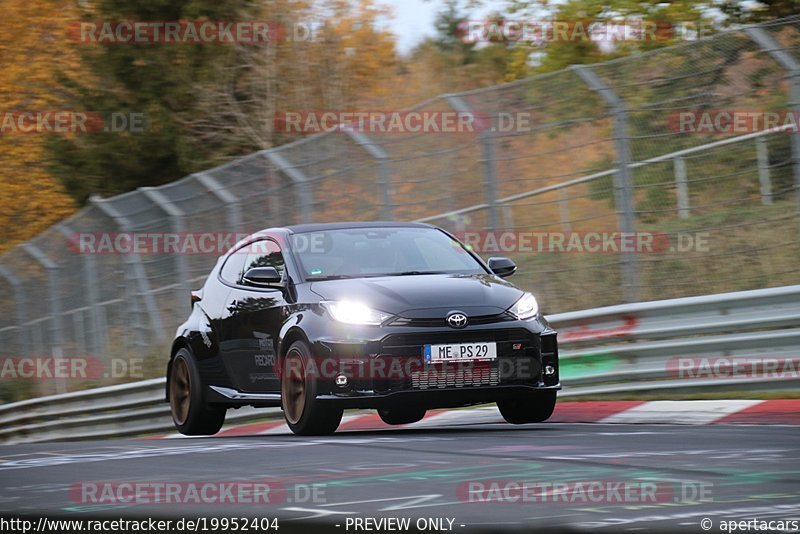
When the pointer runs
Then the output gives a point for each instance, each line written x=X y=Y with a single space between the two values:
x=288 y=339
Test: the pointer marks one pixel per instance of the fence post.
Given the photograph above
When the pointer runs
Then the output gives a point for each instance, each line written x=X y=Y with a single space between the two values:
x=94 y=345
x=20 y=307
x=682 y=187
x=56 y=326
x=178 y=226
x=508 y=216
x=623 y=179
x=300 y=181
x=789 y=62
x=563 y=209
x=136 y=269
x=763 y=171
x=384 y=180
x=489 y=171
x=232 y=208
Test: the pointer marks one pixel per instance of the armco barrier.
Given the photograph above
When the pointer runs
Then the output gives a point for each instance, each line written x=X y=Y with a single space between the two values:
x=612 y=350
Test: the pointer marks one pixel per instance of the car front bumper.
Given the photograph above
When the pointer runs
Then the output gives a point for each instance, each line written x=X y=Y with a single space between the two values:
x=527 y=361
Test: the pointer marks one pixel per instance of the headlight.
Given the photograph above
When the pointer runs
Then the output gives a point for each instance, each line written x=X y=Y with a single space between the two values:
x=349 y=312
x=526 y=307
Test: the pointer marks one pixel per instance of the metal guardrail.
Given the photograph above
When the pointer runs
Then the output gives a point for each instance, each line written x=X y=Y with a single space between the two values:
x=662 y=345
x=613 y=350
x=113 y=411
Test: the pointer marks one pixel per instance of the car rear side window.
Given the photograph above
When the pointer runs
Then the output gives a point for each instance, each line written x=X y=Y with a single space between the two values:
x=264 y=253
x=232 y=270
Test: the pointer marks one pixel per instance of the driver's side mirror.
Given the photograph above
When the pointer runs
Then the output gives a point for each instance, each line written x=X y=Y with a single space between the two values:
x=502 y=267
x=262 y=277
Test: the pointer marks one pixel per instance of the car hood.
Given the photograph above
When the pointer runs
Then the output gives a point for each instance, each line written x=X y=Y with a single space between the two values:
x=425 y=295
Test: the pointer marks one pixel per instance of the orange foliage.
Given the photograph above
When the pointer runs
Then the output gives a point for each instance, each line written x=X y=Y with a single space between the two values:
x=33 y=42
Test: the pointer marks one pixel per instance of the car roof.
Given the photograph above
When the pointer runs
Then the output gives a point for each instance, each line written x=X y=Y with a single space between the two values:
x=321 y=227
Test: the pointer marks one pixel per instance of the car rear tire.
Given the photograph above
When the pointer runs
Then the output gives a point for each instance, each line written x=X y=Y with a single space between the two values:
x=304 y=414
x=401 y=416
x=192 y=417
x=533 y=408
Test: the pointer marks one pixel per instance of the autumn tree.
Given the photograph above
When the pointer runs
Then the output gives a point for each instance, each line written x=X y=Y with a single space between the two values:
x=156 y=80
x=332 y=55
x=758 y=11
x=453 y=61
x=31 y=44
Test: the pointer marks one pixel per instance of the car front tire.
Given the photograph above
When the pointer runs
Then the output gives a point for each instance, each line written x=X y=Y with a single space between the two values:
x=533 y=408
x=304 y=414
x=192 y=417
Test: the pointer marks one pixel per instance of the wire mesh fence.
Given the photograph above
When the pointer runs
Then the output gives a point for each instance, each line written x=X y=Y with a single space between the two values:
x=689 y=151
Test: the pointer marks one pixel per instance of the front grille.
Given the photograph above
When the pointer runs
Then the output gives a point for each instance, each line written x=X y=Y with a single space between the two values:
x=439 y=377
x=441 y=322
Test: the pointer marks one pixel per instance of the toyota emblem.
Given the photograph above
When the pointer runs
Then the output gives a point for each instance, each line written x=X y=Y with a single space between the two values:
x=457 y=320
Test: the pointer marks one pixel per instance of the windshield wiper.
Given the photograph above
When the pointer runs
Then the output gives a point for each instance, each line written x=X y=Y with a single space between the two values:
x=417 y=273
x=331 y=277
x=370 y=275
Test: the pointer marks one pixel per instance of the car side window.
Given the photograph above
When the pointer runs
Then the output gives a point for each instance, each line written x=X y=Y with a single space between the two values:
x=265 y=253
x=232 y=270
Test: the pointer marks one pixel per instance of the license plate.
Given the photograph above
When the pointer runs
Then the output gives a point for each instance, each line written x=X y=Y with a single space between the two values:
x=460 y=352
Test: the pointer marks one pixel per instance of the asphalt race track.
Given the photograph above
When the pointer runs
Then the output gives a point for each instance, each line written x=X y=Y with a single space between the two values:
x=721 y=472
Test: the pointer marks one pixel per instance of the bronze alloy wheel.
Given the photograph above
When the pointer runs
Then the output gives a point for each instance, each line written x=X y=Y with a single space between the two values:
x=180 y=391
x=191 y=414
x=293 y=387
x=305 y=414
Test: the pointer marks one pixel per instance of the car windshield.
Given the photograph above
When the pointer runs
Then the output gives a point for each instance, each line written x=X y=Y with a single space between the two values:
x=372 y=252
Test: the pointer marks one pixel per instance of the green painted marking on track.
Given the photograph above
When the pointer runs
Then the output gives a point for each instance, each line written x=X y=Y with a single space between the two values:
x=588 y=365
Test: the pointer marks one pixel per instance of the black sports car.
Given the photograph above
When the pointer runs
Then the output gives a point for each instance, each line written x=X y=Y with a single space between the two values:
x=399 y=317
